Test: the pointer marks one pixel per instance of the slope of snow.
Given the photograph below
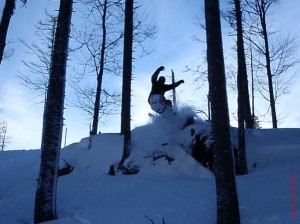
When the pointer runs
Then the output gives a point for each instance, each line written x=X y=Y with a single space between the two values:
x=180 y=192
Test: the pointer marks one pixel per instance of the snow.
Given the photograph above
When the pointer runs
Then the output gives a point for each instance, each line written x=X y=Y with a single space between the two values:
x=180 y=192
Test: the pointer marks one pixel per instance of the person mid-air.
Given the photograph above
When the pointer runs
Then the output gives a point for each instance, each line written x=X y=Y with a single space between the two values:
x=156 y=99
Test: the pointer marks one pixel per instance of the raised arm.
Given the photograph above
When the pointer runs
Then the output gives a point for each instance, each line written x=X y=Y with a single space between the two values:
x=172 y=86
x=156 y=73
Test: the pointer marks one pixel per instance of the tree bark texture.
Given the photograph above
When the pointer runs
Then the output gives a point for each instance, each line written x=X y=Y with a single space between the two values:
x=227 y=200
x=45 y=201
x=243 y=93
x=100 y=74
x=262 y=15
x=127 y=76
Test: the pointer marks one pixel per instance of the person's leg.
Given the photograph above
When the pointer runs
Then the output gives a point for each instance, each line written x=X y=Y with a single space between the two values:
x=160 y=107
x=155 y=102
x=168 y=104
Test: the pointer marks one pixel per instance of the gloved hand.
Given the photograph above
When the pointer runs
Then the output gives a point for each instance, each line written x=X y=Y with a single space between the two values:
x=161 y=68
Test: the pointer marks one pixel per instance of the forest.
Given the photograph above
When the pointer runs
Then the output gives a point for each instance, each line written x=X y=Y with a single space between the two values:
x=86 y=58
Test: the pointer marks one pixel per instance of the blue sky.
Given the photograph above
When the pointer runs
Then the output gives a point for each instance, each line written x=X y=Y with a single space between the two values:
x=173 y=48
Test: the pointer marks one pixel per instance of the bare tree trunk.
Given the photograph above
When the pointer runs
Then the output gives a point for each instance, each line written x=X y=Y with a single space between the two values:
x=127 y=75
x=242 y=67
x=100 y=74
x=8 y=11
x=252 y=81
x=243 y=93
x=260 y=8
x=174 y=92
x=227 y=200
x=269 y=73
x=45 y=200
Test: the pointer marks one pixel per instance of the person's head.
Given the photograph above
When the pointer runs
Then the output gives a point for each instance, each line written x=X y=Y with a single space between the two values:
x=162 y=80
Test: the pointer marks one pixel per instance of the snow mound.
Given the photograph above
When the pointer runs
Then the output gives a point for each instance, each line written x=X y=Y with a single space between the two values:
x=180 y=192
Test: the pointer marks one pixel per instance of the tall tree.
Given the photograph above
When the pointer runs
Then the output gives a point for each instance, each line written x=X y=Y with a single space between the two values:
x=261 y=7
x=109 y=42
x=235 y=18
x=100 y=74
x=99 y=41
x=227 y=200
x=45 y=200
x=244 y=111
x=279 y=53
x=127 y=76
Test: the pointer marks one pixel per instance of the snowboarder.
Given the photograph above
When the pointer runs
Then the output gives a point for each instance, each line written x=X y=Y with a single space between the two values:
x=157 y=100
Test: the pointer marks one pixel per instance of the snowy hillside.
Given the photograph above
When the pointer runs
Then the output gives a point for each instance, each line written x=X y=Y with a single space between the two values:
x=179 y=191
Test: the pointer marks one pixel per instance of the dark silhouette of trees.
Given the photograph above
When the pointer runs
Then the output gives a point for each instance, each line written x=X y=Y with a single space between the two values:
x=227 y=200
x=45 y=200
x=99 y=42
x=261 y=8
x=101 y=39
x=279 y=54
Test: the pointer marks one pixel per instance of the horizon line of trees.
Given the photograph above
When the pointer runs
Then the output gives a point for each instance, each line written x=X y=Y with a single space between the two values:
x=98 y=102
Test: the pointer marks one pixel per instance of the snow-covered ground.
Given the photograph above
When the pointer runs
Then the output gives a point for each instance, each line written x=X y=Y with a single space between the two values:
x=180 y=192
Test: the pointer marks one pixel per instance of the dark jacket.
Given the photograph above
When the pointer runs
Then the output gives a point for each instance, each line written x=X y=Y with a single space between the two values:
x=160 y=88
